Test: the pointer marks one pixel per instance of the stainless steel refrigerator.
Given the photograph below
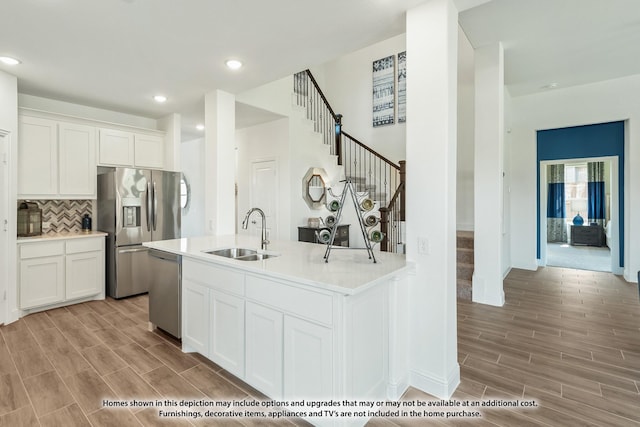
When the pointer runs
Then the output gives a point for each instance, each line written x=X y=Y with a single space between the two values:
x=135 y=206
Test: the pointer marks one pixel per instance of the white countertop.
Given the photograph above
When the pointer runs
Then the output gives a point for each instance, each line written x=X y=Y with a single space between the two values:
x=58 y=236
x=348 y=271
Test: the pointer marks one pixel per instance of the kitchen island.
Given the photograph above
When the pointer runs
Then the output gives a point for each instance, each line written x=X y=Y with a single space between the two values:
x=294 y=326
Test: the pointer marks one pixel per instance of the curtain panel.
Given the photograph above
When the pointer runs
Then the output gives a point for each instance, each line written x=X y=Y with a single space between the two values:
x=596 y=202
x=556 y=227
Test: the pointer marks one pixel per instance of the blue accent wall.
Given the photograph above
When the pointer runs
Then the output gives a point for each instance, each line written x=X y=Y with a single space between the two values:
x=600 y=140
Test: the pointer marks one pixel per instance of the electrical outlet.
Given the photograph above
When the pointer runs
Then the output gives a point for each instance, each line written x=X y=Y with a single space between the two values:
x=46 y=225
x=423 y=246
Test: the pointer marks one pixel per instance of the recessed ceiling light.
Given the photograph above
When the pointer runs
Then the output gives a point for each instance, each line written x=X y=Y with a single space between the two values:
x=160 y=98
x=200 y=127
x=550 y=86
x=9 y=60
x=234 y=64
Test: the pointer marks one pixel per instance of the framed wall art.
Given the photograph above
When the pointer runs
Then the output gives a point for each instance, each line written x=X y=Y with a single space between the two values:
x=383 y=91
x=402 y=87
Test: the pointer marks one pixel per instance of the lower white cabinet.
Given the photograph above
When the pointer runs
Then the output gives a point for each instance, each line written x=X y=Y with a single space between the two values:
x=308 y=353
x=195 y=317
x=61 y=270
x=226 y=339
x=41 y=281
x=264 y=349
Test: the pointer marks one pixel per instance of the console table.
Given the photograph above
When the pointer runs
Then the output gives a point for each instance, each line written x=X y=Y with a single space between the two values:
x=308 y=234
x=590 y=235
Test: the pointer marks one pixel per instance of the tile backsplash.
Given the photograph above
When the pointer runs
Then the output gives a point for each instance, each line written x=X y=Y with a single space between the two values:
x=63 y=215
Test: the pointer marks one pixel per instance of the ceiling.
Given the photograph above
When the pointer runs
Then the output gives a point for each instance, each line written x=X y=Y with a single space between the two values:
x=117 y=54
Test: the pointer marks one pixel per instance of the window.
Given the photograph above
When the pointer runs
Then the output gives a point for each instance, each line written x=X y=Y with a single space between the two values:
x=575 y=190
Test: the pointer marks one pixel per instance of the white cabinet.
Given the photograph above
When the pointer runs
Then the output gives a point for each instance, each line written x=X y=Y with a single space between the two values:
x=37 y=157
x=56 y=159
x=121 y=148
x=195 y=317
x=226 y=339
x=308 y=350
x=41 y=274
x=115 y=148
x=149 y=151
x=59 y=271
x=84 y=268
x=264 y=349
x=77 y=160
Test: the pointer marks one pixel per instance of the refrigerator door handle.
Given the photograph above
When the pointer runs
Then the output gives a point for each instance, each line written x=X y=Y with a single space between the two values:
x=155 y=206
x=148 y=202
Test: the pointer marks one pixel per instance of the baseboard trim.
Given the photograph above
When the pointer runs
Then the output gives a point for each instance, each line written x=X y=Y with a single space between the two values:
x=397 y=389
x=438 y=387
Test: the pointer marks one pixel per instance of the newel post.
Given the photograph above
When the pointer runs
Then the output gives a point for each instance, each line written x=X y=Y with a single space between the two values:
x=338 y=129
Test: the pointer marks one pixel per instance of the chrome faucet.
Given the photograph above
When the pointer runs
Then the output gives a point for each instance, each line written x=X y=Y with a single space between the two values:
x=264 y=242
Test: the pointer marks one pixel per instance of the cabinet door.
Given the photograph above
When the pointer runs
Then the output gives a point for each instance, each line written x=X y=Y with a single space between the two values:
x=264 y=349
x=37 y=157
x=307 y=360
x=41 y=281
x=227 y=332
x=84 y=274
x=77 y=160
x=149 y=151
x=115 y=148
x=195 y=317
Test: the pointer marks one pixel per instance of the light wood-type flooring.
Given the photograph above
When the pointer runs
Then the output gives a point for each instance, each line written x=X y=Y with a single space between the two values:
x=567 y=339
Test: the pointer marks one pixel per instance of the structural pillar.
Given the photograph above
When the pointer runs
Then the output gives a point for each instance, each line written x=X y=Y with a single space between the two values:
x=489 y=175
x=432 y=48
x=220 y=163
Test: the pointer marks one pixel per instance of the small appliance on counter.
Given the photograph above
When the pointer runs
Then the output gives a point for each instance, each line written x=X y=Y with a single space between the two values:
x=29 y=219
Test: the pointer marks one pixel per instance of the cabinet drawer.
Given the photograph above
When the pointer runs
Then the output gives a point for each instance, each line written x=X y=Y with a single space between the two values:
x=220 y=278
x=300 y=302
x=37 y=250
x=84 y=245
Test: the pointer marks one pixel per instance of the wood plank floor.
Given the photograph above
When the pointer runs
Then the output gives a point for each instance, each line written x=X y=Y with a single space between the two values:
x=568 y=339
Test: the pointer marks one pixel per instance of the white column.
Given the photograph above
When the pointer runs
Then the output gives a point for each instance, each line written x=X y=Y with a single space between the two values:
x=488 y=178
x=171 y=124
x=220 y=162
x=432 y=54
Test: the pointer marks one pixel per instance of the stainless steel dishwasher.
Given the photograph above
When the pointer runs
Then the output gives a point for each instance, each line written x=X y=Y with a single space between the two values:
x=165 y=291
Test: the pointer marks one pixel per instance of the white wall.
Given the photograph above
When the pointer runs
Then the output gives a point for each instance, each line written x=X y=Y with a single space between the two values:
x=267 y=141
x=347 y=84
x=600 y=102
x=193 y=219
x=9 y=123
x=466 y=118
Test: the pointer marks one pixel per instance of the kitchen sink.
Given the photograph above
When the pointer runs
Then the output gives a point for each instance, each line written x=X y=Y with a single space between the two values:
x=232 y=252
x=241 y=254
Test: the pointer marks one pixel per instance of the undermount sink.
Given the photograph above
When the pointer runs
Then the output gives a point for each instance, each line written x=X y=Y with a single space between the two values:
x=241 y=254
x=232 y=252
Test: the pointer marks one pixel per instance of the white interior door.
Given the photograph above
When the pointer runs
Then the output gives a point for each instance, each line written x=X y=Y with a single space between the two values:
x=4 y=215
x=264 y=194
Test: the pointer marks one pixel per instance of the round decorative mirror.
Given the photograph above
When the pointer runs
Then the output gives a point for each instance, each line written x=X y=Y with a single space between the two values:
x=314 y=187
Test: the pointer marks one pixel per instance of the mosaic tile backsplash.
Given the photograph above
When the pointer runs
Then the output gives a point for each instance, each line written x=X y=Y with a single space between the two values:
x=63 y=215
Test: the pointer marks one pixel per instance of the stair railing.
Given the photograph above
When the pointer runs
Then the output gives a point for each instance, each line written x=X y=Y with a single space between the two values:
x=369 y=170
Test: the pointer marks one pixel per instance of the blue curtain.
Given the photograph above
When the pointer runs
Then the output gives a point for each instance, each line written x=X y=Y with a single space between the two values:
x=556 y=224
x=596 y=202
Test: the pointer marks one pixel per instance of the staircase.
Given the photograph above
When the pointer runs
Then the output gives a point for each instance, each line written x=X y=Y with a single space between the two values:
x=464 y=268
x=374 y=175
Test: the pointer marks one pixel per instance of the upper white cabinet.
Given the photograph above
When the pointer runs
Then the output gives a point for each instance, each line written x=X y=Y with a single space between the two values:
x=115 y=148
x=149 y=151
x=37 y=157
x=120 y=148
x=77 y=160
x=56 y=159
